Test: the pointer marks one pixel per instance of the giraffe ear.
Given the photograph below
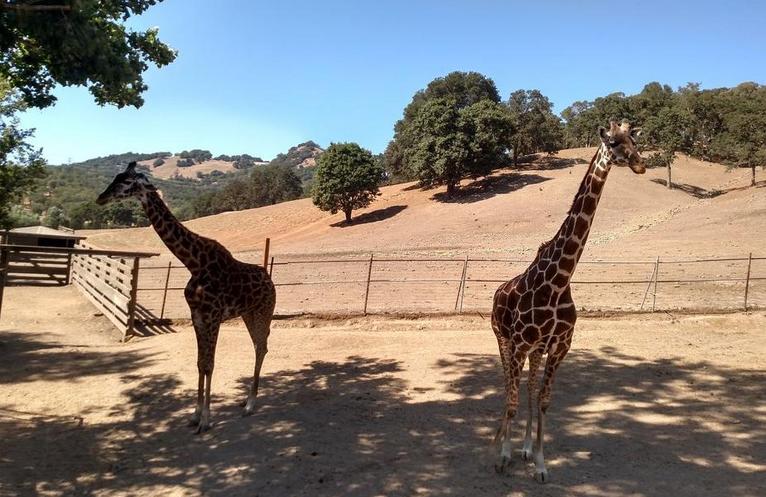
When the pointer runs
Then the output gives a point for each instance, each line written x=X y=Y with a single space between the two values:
x=635 y=133
x=603 y=133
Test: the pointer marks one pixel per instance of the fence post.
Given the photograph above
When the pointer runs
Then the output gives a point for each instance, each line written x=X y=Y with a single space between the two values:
x=747 y=278
x=271 y=266
x=462 y=292
x=656 y=277
x=132 y=301
x=648 y=286
x=165 y=292
x=4 y=256
x=367 y=290
x=266 y=253
x=462 y=282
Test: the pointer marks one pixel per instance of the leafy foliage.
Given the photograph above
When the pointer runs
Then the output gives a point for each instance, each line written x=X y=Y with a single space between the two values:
x=20 y=164
x=726 y=125
x=82 y=43
x=347 y=178
x=454 y=128
x=536 y=127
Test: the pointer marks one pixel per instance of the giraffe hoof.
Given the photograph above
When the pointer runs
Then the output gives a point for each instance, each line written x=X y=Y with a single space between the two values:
x=203 y=427
x=502 y=465
x=542 y=476
x=526 y=454
x=193 y=421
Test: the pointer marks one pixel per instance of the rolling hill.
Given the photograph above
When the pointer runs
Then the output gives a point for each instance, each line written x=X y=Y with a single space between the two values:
x=711 y=212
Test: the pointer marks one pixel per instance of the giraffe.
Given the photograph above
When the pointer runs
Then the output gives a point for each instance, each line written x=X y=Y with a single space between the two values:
x=533 y=314
x=220 y=287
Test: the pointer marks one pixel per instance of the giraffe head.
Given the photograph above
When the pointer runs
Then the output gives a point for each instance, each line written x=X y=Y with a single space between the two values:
x=620 y=143
x=127 y=184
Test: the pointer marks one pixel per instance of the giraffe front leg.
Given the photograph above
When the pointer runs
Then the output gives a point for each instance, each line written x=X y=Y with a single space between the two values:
x=534 y=363
x=195 y=418
x=515 y=362
x=204 y=422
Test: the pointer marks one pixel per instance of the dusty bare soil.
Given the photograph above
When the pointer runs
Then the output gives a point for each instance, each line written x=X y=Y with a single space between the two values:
x=650 y=405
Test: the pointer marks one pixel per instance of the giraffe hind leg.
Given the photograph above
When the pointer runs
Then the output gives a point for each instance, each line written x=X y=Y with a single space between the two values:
x=259 y=328
x=543 y=401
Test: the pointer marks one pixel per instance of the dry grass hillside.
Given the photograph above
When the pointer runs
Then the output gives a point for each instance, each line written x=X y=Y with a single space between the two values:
x=712 y=211
x=170 y=168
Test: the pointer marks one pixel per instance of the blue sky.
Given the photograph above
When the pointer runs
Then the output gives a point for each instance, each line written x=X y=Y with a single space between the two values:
x=258 y=77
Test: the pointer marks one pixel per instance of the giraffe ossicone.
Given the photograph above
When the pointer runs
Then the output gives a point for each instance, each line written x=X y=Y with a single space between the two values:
x=220 y=287
x=534 y=314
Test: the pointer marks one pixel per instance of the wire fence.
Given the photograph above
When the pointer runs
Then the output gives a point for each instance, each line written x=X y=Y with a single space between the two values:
x=378 y=285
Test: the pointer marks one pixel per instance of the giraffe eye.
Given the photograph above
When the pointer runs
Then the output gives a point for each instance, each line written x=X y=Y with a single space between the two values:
x=613 y=143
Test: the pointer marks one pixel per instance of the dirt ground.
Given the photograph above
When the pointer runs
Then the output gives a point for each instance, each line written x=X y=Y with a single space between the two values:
x=649 y=405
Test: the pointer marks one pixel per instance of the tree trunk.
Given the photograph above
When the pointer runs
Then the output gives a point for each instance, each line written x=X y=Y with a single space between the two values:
x=347 y=212
x=515 y=156
x=670 y=185
x=450 y=189
x=752 y=180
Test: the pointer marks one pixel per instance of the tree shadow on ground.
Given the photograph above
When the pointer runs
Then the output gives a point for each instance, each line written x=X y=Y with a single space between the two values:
x=488 y=187
x=549 y=163
x=694 y=191
x=618 y=426
x=371 y=217
x=29 y=357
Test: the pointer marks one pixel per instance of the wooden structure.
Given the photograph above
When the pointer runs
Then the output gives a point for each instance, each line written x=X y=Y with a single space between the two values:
x=108 y=278
x=25 y=267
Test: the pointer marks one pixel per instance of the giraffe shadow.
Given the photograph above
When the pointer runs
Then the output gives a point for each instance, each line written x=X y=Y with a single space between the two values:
x=618 y=426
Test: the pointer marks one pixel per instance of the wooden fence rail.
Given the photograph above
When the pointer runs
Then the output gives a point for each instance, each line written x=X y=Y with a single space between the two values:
x=107 y=278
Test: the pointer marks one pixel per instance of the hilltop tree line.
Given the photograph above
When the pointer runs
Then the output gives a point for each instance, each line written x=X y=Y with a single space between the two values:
x=726 y=125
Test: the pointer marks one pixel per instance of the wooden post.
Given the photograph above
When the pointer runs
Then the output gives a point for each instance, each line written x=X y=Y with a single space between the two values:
x=656 y=277
x=462 y=284
x=747 y=278
x=132 y=301
x=646 y=292
x=3 y=274
x=68 y=269
x=266 y=253
x=271 y=266
x=367 y=290
x=165 y=292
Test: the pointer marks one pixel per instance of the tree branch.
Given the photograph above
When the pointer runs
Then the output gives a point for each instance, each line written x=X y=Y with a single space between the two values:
x=36 y=8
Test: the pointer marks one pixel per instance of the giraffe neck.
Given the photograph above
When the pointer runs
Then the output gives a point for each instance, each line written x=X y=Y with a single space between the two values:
x=567 y=246
x=181 y=241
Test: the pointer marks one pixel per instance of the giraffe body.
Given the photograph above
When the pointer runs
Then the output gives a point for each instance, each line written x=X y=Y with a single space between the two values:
x=533 y=315
x=220 y=287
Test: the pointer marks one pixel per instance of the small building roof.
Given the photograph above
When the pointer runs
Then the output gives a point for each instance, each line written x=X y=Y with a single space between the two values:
x=45 y=232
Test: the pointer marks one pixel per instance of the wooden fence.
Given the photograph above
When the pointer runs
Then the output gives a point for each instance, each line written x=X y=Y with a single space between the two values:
x=31 y=266
x=455 y=285
x=107 y=278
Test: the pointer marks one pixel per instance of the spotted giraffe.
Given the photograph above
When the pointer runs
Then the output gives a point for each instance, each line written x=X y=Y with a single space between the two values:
x=220 y=287
x=533 y=314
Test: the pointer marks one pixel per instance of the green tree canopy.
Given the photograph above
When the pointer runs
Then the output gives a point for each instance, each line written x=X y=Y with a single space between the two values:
x=347 y=178
x=536 y=127
x=78 y=43
x=453 y=128
x=20 y=164
x=462 y=88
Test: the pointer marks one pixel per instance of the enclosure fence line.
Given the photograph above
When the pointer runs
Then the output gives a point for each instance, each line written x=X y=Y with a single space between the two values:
x=377 y=284
x=107 y=278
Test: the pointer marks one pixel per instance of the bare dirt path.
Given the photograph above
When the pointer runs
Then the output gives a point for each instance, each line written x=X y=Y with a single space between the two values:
x=650 y=405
